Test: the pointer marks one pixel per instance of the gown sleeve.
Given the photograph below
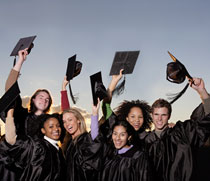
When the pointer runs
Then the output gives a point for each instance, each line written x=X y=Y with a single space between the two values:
x=198 y=131
x=198 y=128
x=106 y=109
x=12 y=78
x=22 y=154
x=64 y=101
x=105 y=129
x=206 y=105
x=20 y=113
x=23 y=150
x=94 y=126
x=202 y=110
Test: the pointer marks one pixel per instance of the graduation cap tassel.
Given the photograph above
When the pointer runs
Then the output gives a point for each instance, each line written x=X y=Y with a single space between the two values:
x=174 y=97
x=71 y=94
x=14 y=61
x=120 y=88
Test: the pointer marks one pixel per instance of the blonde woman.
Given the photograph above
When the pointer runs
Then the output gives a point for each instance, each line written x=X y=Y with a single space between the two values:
x=81 y=149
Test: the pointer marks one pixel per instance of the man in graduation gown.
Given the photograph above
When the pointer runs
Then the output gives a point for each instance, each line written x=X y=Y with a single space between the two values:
x=172 y=149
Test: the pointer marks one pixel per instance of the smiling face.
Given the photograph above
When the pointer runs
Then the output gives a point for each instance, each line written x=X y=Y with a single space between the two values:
x=160 y=118
x=52 y=128
x=135 y=118
x=120 y=137
x=71 y=124
x=41 y=102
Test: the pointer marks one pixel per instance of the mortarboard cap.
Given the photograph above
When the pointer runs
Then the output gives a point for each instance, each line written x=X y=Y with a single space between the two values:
x=23 y=43
x=177 y=73
x=9 y=97
x=124 y=60
x=73 y=69
x=98 y=89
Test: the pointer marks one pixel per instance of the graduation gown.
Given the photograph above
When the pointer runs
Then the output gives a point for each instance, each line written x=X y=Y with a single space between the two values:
x=82 y=158
x=6 y=173
x=203 y=163
x=132 y=165
x=173 y=153
x=26 y=123
x=35 y=159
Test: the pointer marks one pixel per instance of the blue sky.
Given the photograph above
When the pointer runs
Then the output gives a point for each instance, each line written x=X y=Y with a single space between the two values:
x=95 y=30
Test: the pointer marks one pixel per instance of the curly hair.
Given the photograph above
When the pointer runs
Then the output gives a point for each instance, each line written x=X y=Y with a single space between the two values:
x=124 y=108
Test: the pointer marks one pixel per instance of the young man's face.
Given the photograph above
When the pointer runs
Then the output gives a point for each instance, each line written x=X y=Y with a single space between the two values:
x=160 y=118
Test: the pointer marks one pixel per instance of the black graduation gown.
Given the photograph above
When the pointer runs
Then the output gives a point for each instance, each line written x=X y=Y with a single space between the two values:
x=203 y=163
x=26 y=123
x=36 y=159
x=132 y=165
x=82 y=159
x=173 y=153
x=6 y=174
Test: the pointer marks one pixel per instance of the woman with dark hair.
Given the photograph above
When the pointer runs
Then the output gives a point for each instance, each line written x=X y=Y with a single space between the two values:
x=34 y=158
x=40 y=102
x=129 y=110
x=123 y=159
x=26 y=120
x=136 y=112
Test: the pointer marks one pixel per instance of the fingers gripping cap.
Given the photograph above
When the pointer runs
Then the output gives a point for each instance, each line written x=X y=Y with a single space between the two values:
x=22 y=44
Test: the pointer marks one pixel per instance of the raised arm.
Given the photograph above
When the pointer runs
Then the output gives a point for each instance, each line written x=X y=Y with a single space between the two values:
x=64 y=97
x=14 y=73
x=106 y=108
x=112 y=86
x=199 y=85
x=10 y=130
x=94 y=120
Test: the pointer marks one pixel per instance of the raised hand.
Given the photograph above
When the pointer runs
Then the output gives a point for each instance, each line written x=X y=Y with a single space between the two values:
x=65 y=83
x=198 y=85
x=95 y=109
x=22 y=55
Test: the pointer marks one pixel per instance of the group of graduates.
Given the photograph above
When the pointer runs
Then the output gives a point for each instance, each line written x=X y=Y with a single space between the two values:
x=120 y=146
